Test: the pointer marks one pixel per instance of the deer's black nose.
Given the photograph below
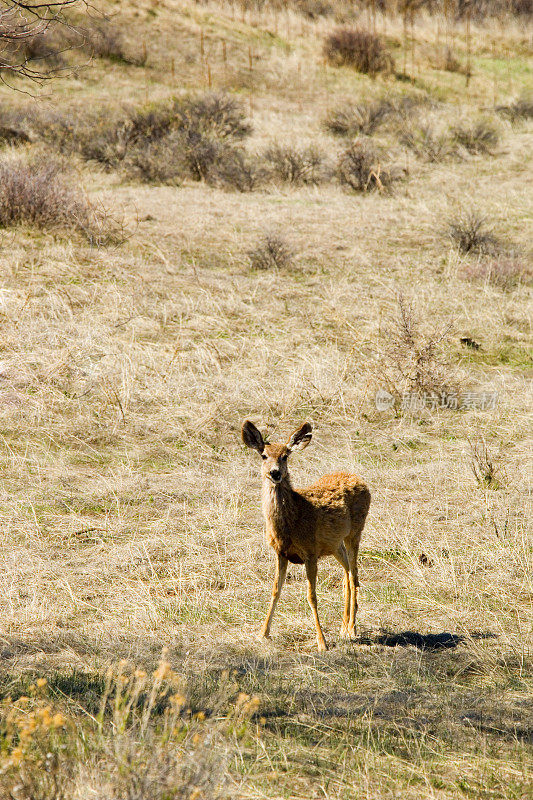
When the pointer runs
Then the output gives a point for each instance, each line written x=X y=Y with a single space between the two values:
x=275 y=474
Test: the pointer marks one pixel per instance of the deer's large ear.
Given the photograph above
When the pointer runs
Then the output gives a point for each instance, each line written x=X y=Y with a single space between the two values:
x=301 y=437
x=252 y=437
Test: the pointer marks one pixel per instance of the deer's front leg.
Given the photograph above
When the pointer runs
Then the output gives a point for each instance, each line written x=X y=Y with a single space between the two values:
x=281 y=571
x=310 y=569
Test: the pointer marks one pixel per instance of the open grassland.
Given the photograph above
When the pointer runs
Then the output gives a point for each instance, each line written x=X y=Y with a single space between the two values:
x=141 y=328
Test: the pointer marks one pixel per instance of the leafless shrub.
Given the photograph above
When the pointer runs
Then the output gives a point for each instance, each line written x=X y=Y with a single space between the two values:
x=198 y=133
x=448 y=62
x=483 y=465
x=273 y=251
x=201 y=154
x=358 y=48
x=361 y=169
x=518 y=110
x=36 y=192
x=236 y=169
x=41 y=192
x=315 y=8
x=215 y=114
x=426 y=142
x=162 y=161
x=103 y=39
x=482 y=9
x=100 y=135
x=503 y=271
x=366 y=118
x=469 y=232
x=163 y=142
x=293 y=165
x=12 y=135
x=411 y=360
x=479 y=137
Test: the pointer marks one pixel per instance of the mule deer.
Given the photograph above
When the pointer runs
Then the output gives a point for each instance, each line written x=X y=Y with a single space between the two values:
x=325 y=519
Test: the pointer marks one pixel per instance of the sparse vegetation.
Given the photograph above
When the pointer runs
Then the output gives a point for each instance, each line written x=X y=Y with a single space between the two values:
x=236 y=169
x=479 y=137
x=102 y=39
x=40 y=192
x=484 y=465
x=426 y=142
x=358 y=48
x=144 y=741
x=362 y=118
x=273 y=251
x=295 y=165
x=361 y=169
x=471 y=232
x=449 y=62
x=505 y=271
x=161 y=143
x=411 y=359
x=518 y=110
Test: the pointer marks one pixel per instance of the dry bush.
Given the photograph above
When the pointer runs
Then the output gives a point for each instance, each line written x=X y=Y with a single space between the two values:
x=41 y=192
x=161 y=143
x=358 y=48
x=411 y=360
x=482 y=9
x=469 y=231
x=518 y=110
x=503 y=271
x=448 y=62
x=162 y=161
x=103 y=39
x=426 y=142
x=145 y=742
x=214 y=113
x=361 y=118
x=484 y=465
x=479 y=137
x=294 y=165
x=314 y=9
x=273 y=251
x=236 y=169
x=12 y=135
x=38 y=192
x=360 y=168
x=98 y=135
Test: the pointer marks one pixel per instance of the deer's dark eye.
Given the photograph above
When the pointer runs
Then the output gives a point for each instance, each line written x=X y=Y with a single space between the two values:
x=263 y=456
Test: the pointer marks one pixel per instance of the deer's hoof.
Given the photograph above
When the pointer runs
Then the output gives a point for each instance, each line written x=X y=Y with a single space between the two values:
x=347 y=634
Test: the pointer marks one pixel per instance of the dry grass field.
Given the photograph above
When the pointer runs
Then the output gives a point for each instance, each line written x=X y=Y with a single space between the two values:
x=144 y=314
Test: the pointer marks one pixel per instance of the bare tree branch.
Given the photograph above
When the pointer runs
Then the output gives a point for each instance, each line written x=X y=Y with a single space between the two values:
x=27 y=37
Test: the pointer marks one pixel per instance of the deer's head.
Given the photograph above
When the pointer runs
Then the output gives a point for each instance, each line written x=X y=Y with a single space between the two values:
x=276 y=455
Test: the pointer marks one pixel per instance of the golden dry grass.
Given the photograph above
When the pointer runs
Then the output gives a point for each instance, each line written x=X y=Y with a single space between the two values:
x=130 y=510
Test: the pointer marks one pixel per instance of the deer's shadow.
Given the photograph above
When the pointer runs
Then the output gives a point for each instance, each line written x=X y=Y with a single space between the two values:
x=422 y=641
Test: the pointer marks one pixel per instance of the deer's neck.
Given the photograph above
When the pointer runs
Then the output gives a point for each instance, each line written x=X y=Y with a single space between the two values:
x=279 y=508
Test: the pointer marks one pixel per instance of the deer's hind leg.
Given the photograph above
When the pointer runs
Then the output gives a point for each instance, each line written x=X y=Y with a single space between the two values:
x=352 y=548
x=342 y=557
